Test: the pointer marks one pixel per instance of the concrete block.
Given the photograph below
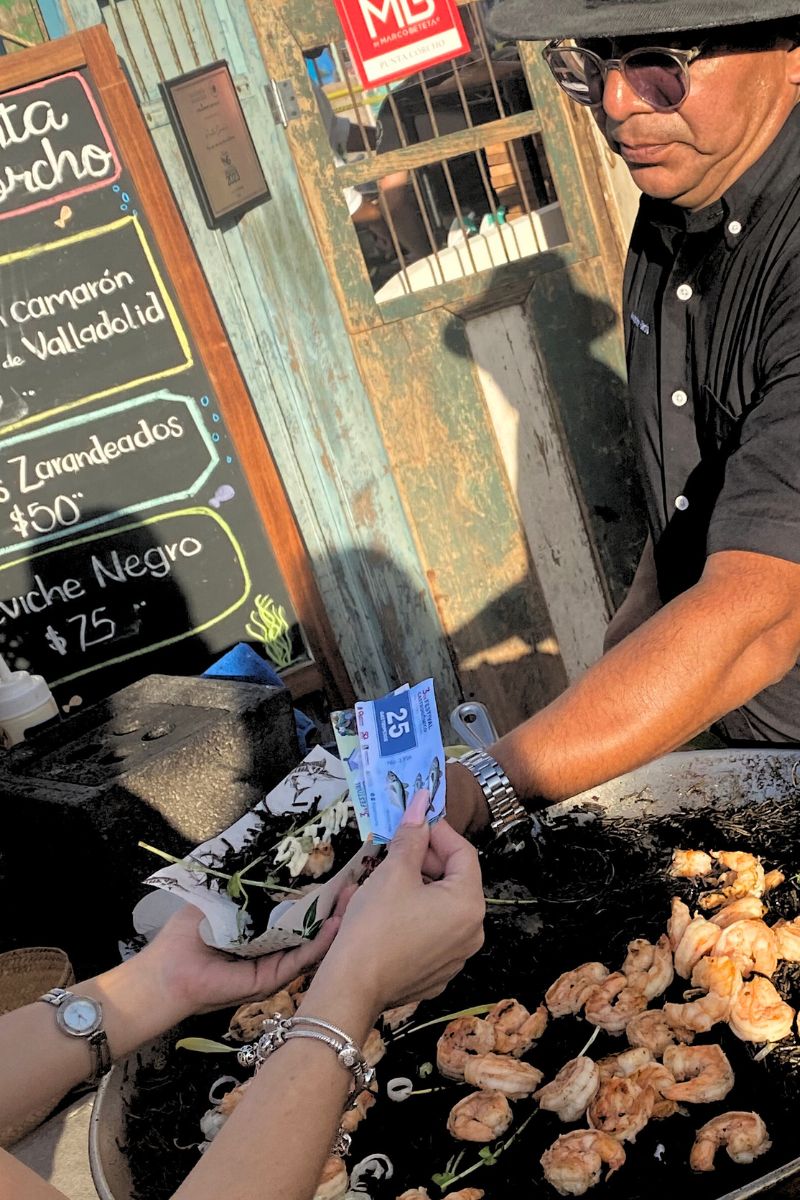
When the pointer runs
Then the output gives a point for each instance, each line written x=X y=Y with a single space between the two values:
x=170 y=761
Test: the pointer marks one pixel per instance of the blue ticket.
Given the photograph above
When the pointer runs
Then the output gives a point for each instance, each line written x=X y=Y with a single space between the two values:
x=401 y=752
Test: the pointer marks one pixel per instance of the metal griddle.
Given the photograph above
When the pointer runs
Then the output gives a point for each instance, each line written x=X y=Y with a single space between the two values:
x=678 y=784
x=684 y=781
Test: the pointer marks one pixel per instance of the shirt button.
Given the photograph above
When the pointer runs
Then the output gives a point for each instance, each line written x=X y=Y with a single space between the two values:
x=735 y=228
x=684 y=292
x=681 y=503
x=679 y=398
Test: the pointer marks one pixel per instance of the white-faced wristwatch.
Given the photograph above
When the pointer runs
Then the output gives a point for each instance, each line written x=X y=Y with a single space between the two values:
x=504 y=805
x=82 y=1017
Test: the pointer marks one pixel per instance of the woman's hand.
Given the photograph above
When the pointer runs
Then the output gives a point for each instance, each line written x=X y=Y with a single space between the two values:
x=196 y=978
x=401 y=938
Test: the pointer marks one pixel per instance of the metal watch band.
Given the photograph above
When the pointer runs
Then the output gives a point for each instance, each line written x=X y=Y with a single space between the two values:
x=504 y=805
x=96 y=1040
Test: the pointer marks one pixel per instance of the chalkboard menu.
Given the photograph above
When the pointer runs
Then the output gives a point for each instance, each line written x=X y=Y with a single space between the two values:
x=130 y=540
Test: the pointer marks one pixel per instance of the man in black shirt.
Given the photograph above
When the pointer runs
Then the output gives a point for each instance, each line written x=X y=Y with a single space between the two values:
x=707 y=122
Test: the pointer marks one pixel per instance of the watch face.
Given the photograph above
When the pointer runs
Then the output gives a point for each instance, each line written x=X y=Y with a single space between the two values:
x=80 y=1015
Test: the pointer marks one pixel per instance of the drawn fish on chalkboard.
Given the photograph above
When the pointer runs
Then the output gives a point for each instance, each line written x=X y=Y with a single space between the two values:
x=224 y=492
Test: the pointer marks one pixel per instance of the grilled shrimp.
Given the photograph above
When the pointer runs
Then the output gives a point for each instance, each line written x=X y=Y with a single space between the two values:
x=621 y=1108
x=625 y=1063
x=721 y=980
x=718 y=974
x=334 y=1180
x=575 y=1160
x=751 y=944
x=480 y=1117
x=515 y=1029
x=688 y=864
x=758 y=1014
x=654 y=1032
x=744 y=876
x=499 y=1073
x=658 y=1077
x=747 y=908
x=462 y=1194
x=393 y=1018
x=572 y=1090
x=611 y=1004
x=374 y=1048
x=648 y=967
x=678 y=923
x=787 y=938
x=699 y=938
x=462 y=1039
x=703 y=1074
x=699 y=1015
x=353 y=1116
x=569 y=992
x=247 y=1023
x=743 y=1134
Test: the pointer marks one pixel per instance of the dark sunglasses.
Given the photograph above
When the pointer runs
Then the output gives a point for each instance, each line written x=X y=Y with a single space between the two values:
x=657 y=74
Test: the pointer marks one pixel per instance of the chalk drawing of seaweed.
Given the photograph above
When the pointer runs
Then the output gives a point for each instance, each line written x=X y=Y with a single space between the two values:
x=269 y=626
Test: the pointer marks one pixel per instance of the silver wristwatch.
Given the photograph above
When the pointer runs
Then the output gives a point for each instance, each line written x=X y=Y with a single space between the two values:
x=82 y=1017
x=504 y=805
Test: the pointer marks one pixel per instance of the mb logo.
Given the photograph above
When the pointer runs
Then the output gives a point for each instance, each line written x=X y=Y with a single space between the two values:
x=397 y=13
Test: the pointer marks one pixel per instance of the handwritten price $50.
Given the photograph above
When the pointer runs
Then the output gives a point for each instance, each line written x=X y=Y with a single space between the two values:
x=39 y=518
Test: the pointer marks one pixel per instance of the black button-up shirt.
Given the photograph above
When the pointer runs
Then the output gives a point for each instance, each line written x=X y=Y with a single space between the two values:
x=712 y=306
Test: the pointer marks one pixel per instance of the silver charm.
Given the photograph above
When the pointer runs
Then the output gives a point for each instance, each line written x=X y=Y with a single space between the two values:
x=247 y=1056
x=341 y=1144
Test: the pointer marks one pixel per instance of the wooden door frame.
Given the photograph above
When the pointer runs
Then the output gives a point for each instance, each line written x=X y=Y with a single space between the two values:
x=93 y=49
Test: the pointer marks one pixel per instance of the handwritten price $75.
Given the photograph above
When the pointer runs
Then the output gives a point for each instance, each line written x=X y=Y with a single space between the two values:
x=92 y=628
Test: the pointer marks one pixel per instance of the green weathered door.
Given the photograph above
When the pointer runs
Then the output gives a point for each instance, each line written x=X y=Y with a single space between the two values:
x=496 y=380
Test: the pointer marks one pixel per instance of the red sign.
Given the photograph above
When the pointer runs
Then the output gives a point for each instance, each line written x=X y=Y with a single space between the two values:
x=389 y=39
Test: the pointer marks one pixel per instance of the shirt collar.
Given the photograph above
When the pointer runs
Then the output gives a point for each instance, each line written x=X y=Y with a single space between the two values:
x=766 y=181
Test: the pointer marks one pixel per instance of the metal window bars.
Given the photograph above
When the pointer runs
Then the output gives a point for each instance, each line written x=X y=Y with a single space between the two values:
x=464 y=163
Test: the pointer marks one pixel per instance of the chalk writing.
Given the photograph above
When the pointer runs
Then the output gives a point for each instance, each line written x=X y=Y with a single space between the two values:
x=39 y=333
x=113 y=560
x=106 y=454
x=137 y=575
x=55 y=145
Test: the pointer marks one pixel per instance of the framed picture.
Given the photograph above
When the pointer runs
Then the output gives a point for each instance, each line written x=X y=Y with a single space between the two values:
x=206 y=114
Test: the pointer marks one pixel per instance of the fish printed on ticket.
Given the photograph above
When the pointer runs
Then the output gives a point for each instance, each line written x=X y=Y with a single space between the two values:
x=401 y=751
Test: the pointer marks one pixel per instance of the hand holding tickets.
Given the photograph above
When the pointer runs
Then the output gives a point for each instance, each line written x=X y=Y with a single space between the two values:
x=392 y=748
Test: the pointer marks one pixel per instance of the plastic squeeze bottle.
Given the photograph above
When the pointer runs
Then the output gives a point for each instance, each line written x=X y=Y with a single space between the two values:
x=25 y=701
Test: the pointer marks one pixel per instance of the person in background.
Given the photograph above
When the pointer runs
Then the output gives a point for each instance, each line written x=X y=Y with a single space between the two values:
x=399 y=940
x=707 y=121
x=346 y=137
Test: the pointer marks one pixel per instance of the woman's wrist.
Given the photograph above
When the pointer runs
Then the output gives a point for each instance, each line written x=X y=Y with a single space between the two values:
x=136 y=1006
x=339 y=996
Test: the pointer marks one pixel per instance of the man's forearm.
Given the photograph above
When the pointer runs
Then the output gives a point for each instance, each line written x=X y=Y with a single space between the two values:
x=706 y=653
